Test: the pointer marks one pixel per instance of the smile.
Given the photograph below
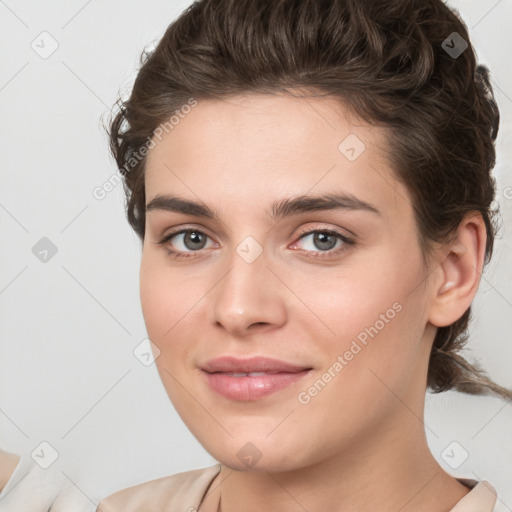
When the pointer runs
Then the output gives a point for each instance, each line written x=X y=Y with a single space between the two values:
x=252 y=378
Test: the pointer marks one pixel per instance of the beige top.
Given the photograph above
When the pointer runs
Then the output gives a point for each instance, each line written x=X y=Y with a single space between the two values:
x=184 y=492
x=8 y=463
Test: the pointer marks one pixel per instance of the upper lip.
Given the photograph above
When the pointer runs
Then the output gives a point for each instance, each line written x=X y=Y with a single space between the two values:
x=251 y=364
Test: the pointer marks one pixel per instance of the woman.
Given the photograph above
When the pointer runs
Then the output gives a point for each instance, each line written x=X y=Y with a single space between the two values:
x=312 y=185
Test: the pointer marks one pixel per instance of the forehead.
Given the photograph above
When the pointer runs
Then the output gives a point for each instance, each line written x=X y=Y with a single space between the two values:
x=258 y=148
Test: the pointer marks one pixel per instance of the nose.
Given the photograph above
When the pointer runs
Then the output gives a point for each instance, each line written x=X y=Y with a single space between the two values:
x=248 y=299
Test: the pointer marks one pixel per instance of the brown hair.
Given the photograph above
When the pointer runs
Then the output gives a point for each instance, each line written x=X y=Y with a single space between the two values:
x=392 y=62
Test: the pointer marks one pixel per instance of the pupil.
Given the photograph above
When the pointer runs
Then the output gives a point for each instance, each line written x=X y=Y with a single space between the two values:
x=321 y=241
x=193 y=240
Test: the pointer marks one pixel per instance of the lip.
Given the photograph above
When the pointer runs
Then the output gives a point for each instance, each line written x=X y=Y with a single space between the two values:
x=251 y=364
x=278 y=375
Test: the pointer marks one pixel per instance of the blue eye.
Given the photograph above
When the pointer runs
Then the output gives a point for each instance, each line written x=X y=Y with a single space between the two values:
x=323 y=243
x=189 y=243
x=192 y=240
x=186 y=241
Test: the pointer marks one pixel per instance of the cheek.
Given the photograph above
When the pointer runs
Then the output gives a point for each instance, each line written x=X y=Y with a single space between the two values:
x=366 y=366
x=372 y=316
x=347 y=302
x=165 y=296
x=171 y=306
x=167 y=306
x=163 y=301
x=156 y=301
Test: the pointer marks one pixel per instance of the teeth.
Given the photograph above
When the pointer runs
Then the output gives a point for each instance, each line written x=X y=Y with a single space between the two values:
x=243 y=374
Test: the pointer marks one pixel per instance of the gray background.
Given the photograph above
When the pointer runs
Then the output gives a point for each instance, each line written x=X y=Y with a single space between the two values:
x=68 y=326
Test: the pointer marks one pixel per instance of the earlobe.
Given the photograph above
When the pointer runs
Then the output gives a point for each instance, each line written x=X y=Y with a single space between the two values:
x=461 y=266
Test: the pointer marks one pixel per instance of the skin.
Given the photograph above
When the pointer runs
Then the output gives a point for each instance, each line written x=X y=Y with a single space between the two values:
x=358 y=444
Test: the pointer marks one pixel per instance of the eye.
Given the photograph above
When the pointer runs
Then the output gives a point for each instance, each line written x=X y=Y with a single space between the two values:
x=188 y=243
x=324 y=242
x=185 y=241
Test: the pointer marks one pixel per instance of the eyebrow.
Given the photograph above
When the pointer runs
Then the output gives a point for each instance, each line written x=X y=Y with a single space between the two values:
x=283 y=208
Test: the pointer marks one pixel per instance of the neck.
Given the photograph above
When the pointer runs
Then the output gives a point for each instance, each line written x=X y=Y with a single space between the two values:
x=388 y=471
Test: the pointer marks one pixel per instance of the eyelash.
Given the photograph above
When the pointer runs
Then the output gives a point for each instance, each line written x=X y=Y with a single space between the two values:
x=347 y=242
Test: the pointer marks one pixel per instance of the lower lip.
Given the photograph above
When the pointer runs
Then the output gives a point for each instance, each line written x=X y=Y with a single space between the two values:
x=252 y=388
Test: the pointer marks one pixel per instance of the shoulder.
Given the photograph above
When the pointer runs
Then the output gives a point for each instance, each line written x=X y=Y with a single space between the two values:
x=8 y=463
x=184 y=490
x=27 y=485
x=482 y=497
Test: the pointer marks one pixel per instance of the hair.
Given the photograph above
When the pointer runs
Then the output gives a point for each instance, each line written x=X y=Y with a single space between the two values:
x=387 y=61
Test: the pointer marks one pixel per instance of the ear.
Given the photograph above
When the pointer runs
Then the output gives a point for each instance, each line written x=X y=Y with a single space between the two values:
x=460 y=264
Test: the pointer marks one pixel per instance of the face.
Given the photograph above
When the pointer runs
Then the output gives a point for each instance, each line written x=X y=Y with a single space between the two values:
x=282 y=280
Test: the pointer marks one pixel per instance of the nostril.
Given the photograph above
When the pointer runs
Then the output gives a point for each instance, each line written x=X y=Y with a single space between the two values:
x=258 y=323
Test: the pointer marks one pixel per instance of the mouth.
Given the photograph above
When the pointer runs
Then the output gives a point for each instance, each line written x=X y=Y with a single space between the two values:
x=251 y=379
x=247 y=374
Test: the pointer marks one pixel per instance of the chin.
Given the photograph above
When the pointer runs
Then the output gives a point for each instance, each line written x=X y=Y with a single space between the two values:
x=254 y=453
